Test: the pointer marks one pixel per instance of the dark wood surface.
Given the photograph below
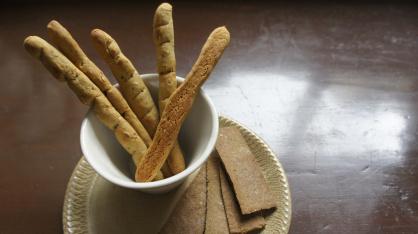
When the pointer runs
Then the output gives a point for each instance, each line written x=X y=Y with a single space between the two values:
x=331 y=88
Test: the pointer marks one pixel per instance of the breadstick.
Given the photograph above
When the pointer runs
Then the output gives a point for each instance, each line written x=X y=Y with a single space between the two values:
x=65 y=43
x=166 y=65
x=179 y=105
x=166 y=60
x=126 y=135
x=132 y=86
x=123 y=131
x=88 y=93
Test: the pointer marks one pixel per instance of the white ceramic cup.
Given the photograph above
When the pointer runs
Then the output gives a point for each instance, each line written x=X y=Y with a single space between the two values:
x=197 y=138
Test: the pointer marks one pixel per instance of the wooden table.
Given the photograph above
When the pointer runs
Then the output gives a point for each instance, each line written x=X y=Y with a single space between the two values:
x=331 y=88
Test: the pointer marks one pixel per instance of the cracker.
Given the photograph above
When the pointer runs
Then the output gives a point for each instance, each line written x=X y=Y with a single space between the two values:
x=251 y=189
x=190 y=212
x=237 y=222
x=215 y=212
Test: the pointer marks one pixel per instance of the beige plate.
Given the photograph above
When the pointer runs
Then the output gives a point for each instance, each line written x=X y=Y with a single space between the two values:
x=93 y=205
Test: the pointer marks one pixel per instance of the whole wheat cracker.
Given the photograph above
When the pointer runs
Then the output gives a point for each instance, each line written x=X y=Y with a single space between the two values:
x=216 y=221
x=237 y=222
x=251 y=189
x=189 y=215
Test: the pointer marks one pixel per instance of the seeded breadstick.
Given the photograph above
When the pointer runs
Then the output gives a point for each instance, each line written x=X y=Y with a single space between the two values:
x=166 y=60
x=88 y=93
x=63 y=40
x=166 y=65
x=179 y=105
x=132 y=86
x=113 y=120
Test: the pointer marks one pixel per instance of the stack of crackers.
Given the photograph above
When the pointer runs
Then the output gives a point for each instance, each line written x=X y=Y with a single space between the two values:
x=228 y=195
x=130 y=112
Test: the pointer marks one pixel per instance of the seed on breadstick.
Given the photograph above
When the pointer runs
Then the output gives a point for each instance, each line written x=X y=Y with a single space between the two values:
x=65 y=43
x=166 y=65
x=132 y=86
x=88 y=93
x=179 y=105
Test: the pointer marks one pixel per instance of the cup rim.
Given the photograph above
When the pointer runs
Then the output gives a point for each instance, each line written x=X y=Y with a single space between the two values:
x=172 y=179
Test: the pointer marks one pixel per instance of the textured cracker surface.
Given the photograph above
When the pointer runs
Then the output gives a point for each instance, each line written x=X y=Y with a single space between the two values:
x=215 y=212
x=249 y=184
x=237 y=222
x=188 y=217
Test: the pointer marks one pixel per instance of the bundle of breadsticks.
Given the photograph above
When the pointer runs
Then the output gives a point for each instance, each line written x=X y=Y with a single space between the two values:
x=130 y=112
